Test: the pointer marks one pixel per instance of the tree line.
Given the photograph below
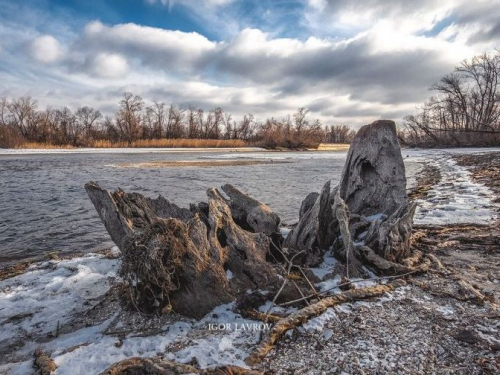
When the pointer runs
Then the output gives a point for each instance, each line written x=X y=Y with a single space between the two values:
x=21 y=122
x=465 y=110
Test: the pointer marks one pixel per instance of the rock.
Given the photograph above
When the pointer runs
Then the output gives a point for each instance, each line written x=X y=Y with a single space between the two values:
x=468 y=336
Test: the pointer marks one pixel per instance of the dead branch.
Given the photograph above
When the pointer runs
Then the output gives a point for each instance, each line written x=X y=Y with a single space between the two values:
x=300 y=317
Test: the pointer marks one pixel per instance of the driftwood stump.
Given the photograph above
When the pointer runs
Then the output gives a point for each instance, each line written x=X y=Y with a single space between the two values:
x=191 y=260
x=368 y=217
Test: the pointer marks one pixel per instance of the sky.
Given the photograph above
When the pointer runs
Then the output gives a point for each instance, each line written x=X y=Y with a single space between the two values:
x=347 y=61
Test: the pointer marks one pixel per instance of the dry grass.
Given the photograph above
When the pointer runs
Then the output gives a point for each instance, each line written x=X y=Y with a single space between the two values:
x=148 y=143
x=333 y=147
x=174 y=143
x=37 y=145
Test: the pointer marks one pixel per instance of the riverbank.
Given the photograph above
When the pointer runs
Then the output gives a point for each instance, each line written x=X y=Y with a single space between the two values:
x=179 y=148
x=436 y=324
x=76 y=310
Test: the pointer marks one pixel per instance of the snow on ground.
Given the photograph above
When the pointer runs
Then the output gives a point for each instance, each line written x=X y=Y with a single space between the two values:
x=53 y=293
x=326 y=267
x=50 y=292
x=456 y=199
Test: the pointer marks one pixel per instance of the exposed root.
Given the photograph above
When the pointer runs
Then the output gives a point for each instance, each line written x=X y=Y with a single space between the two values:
x=300 y=317
x=389 y=267
x=154 y=259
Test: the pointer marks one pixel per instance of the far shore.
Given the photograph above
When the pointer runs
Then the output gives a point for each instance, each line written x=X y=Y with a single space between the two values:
x=76 y=150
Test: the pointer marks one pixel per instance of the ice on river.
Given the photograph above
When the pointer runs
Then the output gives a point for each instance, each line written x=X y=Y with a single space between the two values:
x=456 y=199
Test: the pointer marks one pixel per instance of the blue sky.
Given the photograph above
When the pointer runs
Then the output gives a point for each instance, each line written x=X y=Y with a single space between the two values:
x=347 y=61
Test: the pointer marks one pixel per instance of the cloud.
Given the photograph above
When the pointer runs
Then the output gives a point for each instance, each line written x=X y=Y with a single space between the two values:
x=192 y=3
x=154 y=47
x=347 y=61
x=46 y=49
x=109 y=65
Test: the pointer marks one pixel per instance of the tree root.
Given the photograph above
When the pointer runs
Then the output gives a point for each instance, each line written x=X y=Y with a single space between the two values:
x=298 y=318
x=257 y=315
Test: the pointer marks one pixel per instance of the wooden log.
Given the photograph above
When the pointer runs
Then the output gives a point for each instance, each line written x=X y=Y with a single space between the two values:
x=314 y=230
x=300 y=317
x=341 y=212
x=250 y=213
x=370 y=206
x=390 y=238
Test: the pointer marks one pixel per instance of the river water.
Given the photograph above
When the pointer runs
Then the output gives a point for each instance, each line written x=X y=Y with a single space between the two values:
x=44 y=207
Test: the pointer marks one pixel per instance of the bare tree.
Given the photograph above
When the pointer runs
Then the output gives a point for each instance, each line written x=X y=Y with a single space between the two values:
x=129 y=116
x=300 y=119
x=87 y=118
x=339 y=134
x=22 y=116
x=192 y=123
x=464 y=110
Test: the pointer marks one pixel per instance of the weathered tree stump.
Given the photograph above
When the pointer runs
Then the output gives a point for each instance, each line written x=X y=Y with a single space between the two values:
x=180 y=259
x=191 y=260
x=368 y=217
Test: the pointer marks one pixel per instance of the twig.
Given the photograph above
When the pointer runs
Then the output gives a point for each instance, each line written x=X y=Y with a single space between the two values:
x=348 y=283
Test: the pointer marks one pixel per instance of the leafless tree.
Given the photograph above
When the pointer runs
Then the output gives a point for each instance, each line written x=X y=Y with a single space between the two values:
x=87 y=118
x=129 y=116
x=465 y=108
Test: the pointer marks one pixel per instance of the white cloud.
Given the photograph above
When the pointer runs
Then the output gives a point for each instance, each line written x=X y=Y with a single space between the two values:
x=358 y=60
x=110 y=65
x=164 y=49
x=46 y=49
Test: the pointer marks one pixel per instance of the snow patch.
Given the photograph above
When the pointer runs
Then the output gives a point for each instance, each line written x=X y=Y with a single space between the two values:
x=456 y=199
x=318 y=323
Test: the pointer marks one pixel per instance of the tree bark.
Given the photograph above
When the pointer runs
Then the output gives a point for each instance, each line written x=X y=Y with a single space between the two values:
x=368 y=218
x=181 y=259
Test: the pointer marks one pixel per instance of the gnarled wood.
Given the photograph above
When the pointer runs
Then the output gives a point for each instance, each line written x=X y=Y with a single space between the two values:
x=300 y=317
x=369 y=208
x=179 y=258
x=374 y=179
x=246 y=210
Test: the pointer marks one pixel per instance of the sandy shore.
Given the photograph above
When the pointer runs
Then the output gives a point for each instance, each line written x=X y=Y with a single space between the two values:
x=198 y=163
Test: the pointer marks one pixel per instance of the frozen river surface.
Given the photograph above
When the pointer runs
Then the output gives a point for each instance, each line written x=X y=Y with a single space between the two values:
x=44 y=207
